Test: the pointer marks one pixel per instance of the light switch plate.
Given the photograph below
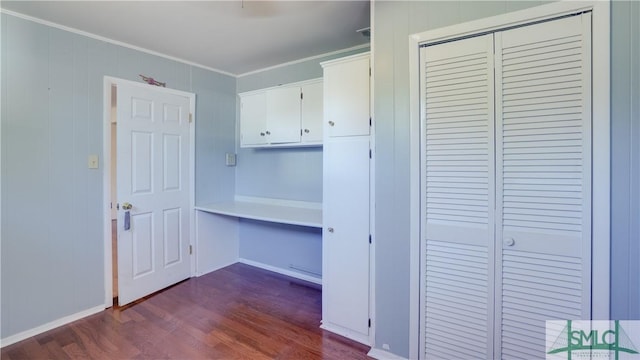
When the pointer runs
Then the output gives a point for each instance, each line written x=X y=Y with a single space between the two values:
x=230 y=159
x=93 y=161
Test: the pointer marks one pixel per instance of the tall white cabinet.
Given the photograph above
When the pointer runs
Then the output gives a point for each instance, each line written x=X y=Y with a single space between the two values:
x=346 y=194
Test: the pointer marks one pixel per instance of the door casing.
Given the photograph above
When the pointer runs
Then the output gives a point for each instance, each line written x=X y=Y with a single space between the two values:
x=108 y=83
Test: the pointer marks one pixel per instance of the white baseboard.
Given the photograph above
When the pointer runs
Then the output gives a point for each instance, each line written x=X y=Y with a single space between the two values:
x=380 y=354
x=204 y=272
x=286 y=272
x=49 y=326
x=348 y=333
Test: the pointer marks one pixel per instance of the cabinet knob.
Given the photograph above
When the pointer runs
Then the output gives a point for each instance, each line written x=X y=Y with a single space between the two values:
x=331 y=123
x=306 y=131
x=268 y=132
x=330 y=229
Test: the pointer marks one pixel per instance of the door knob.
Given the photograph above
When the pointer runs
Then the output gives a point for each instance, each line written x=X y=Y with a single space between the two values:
x=306 y=131
x=331 y=123
x=330 y=229
x=126 y=206
x=509 y=241
x=268 y=132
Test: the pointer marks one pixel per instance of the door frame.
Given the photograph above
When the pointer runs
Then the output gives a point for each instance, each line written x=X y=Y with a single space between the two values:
x=601 y=143
x=108 y=82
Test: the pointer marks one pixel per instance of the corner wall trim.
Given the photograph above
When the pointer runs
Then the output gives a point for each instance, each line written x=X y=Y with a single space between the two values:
x=49 y=326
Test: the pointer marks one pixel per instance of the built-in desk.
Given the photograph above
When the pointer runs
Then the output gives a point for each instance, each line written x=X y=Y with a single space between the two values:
x=273 y=210
x=217 y=231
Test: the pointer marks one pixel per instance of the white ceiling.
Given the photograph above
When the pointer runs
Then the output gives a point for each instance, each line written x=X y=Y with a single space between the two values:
x=232 y=36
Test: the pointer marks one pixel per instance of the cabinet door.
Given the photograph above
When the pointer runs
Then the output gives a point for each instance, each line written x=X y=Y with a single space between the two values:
x=283 y=115
x=253 y=119
x=347 y=97
x=312 y=113
x=345 y=288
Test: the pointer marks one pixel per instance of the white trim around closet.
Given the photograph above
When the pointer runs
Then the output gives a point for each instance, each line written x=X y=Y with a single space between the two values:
x=601 y=166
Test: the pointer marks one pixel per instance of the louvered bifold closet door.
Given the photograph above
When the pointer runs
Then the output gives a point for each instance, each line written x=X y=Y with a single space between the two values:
x=543 y=172
x=457 y=164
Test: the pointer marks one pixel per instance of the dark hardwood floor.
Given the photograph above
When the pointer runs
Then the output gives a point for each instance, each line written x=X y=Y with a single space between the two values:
x=239 y=312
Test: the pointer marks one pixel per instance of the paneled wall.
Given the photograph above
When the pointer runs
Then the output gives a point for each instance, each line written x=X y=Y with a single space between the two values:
x=52 y=204
x=625 y=160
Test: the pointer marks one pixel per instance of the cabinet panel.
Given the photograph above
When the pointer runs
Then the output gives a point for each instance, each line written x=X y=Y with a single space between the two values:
x=253 y=119
x=283 y=115
x=345 y=255
x=312 y=113
x=347 y=96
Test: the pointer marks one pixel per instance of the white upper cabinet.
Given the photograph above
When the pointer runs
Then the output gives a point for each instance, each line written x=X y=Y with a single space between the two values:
x=312 y=113
x=283 y=116
x=253 y=119
x=347 y=91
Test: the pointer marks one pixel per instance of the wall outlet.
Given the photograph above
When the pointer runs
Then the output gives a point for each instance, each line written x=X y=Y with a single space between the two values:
x=93 y=161
x=230 y=159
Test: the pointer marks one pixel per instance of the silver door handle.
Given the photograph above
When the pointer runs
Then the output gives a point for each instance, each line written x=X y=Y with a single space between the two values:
x=126 y=206
x=330 y=229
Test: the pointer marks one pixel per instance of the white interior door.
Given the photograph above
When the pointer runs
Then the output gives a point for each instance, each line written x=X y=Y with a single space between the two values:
x=153 y=176
x=506 y=183
x=458 y=203
x=543 y=172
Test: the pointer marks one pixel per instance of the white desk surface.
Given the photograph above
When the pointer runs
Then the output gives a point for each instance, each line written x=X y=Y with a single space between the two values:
x=279 y=213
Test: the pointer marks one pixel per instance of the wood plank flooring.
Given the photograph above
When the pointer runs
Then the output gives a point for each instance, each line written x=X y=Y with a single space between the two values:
x=239 y=312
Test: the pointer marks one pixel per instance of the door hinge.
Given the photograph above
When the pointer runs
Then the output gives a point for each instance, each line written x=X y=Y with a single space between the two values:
x=369 y=322
x=301 y=96
x=369 y=71
x=190 y=117
x=370 y=155
x=118 y=206
x=370 y=122
x=369 y=238
x=190 y=249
